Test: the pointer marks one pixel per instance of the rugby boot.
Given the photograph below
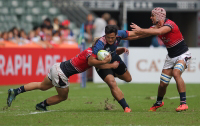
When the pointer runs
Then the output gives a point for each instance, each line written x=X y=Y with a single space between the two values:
x=11 y=97
x=156 y=106
x=182 y=107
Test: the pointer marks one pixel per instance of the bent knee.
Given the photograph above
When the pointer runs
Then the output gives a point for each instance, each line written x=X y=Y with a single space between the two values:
x=112 y=83
x=163 y=85
x=63 y=98
x=129 y=79
x=176 y=74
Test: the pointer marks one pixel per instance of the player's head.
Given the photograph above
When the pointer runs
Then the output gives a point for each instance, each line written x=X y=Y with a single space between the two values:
x=158 y=14
x=111 y=33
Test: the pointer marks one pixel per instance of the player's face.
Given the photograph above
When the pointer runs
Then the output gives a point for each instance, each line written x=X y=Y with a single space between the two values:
x=110 y=38
x=153 y=18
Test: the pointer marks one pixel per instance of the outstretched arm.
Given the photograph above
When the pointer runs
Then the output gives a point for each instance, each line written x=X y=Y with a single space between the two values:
x=151 y=31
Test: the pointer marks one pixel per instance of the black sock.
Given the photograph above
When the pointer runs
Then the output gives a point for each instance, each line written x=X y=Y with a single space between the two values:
x=159 y=100
x=44 y=103
x=19 y=90
x=182 y=98
x=123 y=103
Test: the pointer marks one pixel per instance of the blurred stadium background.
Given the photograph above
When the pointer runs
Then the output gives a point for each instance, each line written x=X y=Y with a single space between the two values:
x=34 y=34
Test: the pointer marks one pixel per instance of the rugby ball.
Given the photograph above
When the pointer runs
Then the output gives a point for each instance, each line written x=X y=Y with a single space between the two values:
x=102 y=54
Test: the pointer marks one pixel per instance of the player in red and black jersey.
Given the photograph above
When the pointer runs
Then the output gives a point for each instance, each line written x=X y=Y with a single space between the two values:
x=178 y=56
x=58 y=77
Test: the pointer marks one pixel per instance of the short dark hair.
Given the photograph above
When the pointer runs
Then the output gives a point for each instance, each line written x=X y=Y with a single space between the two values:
x=110 y=29
x=48 y=20
x=36 y=27
x=43 y=26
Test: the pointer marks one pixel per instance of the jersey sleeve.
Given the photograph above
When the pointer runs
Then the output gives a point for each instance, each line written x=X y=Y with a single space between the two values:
x=170 y=24
x=123 y=33
x=98 y=46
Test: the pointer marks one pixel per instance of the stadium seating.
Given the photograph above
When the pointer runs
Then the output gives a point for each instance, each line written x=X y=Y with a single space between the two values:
x=26 y=13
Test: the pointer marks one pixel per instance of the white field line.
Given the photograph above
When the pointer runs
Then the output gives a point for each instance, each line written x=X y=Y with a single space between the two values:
x=177 y=97
x=1 y=92
x=33 y=113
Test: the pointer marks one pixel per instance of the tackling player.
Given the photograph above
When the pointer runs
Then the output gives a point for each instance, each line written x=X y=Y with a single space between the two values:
x=177 y=59
x=58 y=77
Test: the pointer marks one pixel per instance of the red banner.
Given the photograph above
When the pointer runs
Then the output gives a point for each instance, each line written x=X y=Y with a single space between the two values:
x=24 y=65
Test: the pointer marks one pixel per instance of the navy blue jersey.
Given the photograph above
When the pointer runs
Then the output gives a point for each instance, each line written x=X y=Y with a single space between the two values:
x=101 y=44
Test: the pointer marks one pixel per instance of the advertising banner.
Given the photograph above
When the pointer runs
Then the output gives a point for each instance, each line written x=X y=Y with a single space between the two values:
x=24 y=65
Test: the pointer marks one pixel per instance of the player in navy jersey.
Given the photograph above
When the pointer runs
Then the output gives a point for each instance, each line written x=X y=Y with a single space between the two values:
x=110 y=42
x=177 y=59
x=58 y=77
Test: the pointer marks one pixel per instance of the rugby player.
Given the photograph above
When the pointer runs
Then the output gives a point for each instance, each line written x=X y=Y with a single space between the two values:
x=177 y=59
x=110 y=42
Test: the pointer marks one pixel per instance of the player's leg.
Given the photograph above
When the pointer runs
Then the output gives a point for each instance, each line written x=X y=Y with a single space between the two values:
x=116 y=92
x=165 y=78
x=60 y=81
x=44 y=85
x=62 y=96
x=179 y=68
x=107 y=76
x=122 y=73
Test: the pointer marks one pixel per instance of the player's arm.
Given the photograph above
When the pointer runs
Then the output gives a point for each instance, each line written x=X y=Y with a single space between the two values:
x=113 y=65
x=119 y=51
x=92 y=61
x=151 y=31
x=132 y=35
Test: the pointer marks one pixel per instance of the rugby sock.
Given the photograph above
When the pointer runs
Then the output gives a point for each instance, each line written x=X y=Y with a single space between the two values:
x=44 y=103
x=182 y=98
x=159 y=100
x=123 y=103
x=19 y=90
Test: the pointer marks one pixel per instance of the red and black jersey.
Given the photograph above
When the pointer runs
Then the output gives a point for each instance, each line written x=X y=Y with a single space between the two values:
x=80 y=62
x=173 y=40
x=77 y=64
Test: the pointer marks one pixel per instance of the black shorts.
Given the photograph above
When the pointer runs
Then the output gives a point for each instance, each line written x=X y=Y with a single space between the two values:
x=121 y=69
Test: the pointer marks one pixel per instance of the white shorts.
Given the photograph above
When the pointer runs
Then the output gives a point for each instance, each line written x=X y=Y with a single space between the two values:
x=171 y=62
x=57 y=76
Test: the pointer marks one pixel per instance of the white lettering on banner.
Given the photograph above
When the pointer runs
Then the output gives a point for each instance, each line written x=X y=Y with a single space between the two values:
x=2 y=63
x=18 y=63
x=48 y=63
x=143 y=63
x=27 y=65
x=64 y=59
x=40 y=67
x=9 y=68
x=55 y=58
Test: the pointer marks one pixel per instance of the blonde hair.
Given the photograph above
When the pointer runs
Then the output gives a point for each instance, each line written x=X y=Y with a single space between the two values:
x=95 y=40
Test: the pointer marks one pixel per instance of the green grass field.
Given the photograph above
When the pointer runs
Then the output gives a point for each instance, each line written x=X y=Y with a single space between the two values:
x=87 y=107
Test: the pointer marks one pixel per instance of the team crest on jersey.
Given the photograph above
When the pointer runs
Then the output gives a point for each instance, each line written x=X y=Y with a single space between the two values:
x=107 y=49
x=165 y=40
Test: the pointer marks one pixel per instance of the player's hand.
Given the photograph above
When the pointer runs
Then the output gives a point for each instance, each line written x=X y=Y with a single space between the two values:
x=115 y=64
x=126 y=51
x=107 y=59
x=134 y=27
